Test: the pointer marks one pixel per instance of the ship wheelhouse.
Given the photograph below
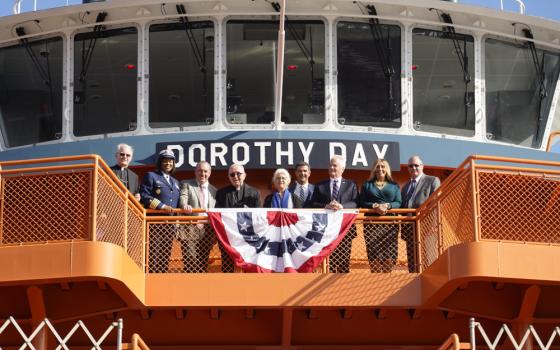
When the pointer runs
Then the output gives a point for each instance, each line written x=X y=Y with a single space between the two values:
x=473 y=91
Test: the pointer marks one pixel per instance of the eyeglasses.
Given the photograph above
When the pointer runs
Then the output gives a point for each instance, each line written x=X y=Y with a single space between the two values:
x=125 y=155
x=414 y=165
x=235 y=174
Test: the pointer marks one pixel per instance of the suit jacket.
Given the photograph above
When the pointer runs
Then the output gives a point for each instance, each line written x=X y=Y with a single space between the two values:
x=424 y=188
x=347 y=194
x=307 y=202
x=190 y=194
x=132 y=183
x=155 y=191
x=296 y=202
x=229 y=197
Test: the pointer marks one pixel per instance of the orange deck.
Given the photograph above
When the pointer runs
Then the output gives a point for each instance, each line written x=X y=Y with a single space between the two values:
x=478 y=255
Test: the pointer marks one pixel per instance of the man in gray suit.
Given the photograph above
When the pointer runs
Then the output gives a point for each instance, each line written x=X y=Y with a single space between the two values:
x=414 y=193
x=197 y=240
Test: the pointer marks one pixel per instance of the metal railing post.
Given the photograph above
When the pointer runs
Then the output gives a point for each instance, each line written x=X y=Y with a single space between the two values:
x=472 y=331
x=475 y=200
x=119 y=333
x=93 y=199
x=125 y=223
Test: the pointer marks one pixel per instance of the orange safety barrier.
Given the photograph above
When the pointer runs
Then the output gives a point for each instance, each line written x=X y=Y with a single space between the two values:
x=189 y=245
x=80 y=198
x=68 y=199
x=493 y=199
x=136 y=343
x=452 y=343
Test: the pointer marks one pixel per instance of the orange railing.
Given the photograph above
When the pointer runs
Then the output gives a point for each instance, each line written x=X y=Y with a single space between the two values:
x=68 y=199
x=492 y=199
x=193 y=246
x=79 y=198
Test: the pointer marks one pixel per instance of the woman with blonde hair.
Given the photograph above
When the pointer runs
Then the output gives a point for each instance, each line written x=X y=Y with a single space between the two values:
x=381 y=193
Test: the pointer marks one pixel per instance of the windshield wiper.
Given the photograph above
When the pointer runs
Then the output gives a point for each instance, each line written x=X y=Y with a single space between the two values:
x=541 y=81
x=44 y=74
x=87 y=54
x=385 y=56
x=198 y=54
x=463 y=57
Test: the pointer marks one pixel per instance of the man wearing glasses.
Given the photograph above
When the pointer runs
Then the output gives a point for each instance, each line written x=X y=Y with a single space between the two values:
x=237 y=195
x=414 y=193
x=128 y=177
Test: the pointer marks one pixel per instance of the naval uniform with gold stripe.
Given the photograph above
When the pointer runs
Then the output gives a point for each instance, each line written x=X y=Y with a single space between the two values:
x=155 y=192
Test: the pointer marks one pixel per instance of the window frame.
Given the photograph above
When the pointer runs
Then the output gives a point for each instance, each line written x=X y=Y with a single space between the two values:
x=64 y=93
x=403 y=78
x=554 y=101
x=271 y=126
x=139 y=81
x=147 y=75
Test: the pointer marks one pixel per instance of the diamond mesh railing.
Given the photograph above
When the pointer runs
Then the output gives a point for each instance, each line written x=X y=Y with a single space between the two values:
x=491 y=199
x=68 y=199
x=79 y=198
x=188 y=244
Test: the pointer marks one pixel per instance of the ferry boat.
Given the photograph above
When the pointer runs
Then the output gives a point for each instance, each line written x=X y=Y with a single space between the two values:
x=473 y=91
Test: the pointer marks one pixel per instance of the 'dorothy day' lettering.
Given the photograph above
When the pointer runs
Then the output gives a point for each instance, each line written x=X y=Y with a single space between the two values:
x=282 y=153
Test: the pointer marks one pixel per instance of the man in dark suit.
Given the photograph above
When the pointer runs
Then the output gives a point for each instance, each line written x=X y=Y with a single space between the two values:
x=414 y=193
x=197 y=239
x=128 y=177
x=237 y=195
x=160 y=190
x=337 y=193
x=301 y=188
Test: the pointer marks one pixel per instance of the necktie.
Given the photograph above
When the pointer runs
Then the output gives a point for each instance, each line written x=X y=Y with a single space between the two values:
x=410 y=192
x=301 y=194
x=202 y=197
x=335 y=190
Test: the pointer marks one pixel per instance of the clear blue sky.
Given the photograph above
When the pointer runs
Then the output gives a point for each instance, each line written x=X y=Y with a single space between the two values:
x=541 y=8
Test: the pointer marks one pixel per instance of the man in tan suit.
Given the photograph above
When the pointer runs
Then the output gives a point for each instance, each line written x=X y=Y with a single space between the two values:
x=197 y=240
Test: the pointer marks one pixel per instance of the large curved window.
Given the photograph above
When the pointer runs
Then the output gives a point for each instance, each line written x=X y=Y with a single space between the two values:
x=31 y=92
x=252 y=48
x=369 y=74
x=181 y=74
x=520 y=83
x=105 y=70
x=443 y=71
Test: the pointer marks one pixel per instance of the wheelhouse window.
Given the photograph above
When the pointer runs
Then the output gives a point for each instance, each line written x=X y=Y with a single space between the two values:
x=369 y=74
x=31 y=91
x=181 y=74
x=252 y=48
x=105 y=83
x=443 y=86
x=520 y=84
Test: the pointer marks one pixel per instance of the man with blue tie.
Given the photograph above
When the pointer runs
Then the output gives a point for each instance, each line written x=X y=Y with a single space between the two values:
x=414 y=193
x=337 y=193
x=160 y=190
x=301 y=188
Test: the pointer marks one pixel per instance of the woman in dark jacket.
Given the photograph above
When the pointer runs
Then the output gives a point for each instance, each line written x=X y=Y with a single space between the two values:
x=381 y=194
x=281 y=197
